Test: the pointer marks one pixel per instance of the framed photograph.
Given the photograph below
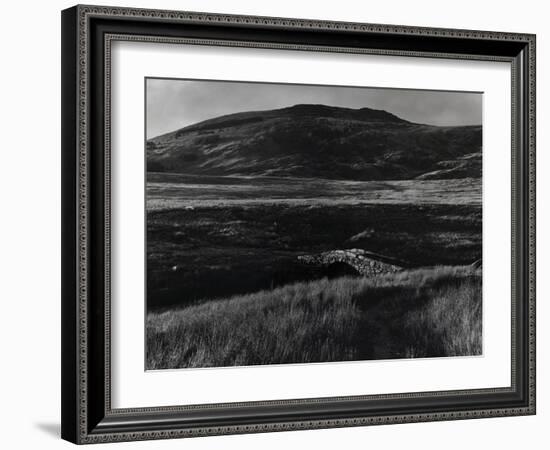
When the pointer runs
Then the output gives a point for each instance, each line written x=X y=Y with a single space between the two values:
x=278 y=224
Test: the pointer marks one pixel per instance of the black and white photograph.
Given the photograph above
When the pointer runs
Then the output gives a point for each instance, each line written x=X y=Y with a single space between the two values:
x=292 y=223
x=279 y=219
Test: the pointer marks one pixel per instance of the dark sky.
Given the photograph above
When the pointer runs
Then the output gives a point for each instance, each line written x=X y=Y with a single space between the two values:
x=173 y=104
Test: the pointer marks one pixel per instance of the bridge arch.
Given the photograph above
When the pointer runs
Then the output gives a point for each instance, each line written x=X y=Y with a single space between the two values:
x=338 y=269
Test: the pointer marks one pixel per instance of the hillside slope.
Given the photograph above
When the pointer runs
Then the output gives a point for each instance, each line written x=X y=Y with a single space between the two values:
x=318 y=141
x=342 y=319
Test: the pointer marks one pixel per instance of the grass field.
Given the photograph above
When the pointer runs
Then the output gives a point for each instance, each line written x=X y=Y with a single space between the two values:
x=225 y=285
x=429 y=312
x=216 y=252
x=171 y=191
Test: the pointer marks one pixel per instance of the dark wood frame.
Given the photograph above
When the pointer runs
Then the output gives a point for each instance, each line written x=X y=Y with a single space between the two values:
x=87 y=416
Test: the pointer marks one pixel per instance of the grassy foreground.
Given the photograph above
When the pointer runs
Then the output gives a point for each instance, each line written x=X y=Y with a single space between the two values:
x=418 y=313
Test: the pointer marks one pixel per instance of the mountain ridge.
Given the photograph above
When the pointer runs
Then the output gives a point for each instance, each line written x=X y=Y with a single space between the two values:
x=318 y=141
x=297 y=109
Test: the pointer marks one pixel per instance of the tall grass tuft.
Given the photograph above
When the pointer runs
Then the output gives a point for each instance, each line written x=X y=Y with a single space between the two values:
x=418 y=313
x=448 y=324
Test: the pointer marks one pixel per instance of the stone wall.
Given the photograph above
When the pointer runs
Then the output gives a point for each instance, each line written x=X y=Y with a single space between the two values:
x=364 y=262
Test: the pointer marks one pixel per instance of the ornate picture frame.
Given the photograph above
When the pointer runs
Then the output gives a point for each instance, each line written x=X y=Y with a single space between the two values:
x=88 y=33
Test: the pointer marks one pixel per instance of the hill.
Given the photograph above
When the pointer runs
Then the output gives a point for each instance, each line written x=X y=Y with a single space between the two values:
x=318 y=141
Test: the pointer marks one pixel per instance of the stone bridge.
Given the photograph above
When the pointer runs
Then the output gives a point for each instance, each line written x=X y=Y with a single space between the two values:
x=360 y=261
